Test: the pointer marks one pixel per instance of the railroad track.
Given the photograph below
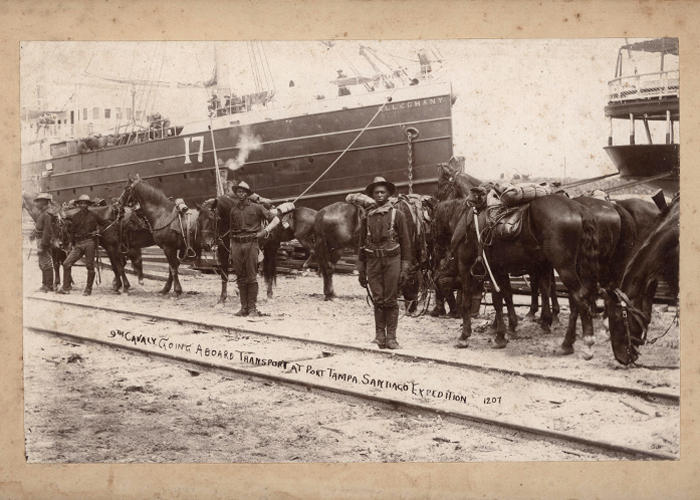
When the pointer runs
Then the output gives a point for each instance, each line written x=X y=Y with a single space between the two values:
x=361 y=373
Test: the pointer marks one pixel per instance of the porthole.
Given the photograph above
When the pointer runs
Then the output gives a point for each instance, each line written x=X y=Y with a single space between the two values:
x=274 y=164
x=74 y=191
x=160 y=179
x=184 y=175
x=311 y=160
x=211 y=173
x=91 y=189
x=58 y=193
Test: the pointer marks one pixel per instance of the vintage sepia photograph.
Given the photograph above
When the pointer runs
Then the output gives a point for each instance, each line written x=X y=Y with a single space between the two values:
x=351 y=250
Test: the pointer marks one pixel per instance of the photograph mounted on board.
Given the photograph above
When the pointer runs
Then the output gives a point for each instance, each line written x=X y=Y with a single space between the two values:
x=280 y=252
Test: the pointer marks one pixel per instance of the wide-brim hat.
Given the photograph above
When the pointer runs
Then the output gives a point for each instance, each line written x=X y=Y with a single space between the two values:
x=83 y=199
x=244 y=185
x=380 y=181
x=43 y=196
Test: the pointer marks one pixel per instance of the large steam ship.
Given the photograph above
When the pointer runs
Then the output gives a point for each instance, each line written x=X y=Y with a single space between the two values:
x=374 y=126
x=648 y=95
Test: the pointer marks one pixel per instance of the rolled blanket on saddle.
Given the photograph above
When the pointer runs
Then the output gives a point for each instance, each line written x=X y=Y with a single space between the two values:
x=513 y=195
x=361 y=200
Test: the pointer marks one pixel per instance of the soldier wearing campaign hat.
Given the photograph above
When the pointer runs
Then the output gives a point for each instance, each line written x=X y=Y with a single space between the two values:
x=248 y=221
x=384 y=259
x=82 y=235
x=43 y=233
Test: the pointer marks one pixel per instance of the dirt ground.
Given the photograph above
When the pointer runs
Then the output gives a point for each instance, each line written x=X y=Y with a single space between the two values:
x=125 y=402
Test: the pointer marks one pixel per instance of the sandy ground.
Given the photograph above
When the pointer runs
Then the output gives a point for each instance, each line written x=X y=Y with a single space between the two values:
x=108 y=406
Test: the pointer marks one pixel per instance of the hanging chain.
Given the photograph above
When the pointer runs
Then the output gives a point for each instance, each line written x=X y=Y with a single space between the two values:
x=411 y=133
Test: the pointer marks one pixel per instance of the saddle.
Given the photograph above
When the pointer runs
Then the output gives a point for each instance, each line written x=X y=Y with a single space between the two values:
x=503 y=222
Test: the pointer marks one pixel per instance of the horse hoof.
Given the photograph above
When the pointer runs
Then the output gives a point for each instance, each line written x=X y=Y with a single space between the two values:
x=462 y=344
x=529 y=317
x=500 y=343
x=564 y=350
x=141 y=282
x=545 y=329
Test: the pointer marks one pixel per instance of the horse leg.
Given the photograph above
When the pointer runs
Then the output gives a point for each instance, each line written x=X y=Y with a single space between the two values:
x=545 y=288
x=507 y=295
x=174 y=263
x=223 y=256
x=328 y=291
x=137 y=262
x=534 y=295
x=553 y=295
x=468 y=288
x=169 y=282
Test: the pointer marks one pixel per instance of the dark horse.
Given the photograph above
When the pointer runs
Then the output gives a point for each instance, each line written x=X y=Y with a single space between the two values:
x=656 y=255
x=123 y=238
x=169 y=233
x=337 y=226
x=454 y=184
x=215 y=216
x=556 y=232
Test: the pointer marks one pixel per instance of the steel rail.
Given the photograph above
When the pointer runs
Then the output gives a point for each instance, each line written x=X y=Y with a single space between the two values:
x=666 y=397
x=393 y=403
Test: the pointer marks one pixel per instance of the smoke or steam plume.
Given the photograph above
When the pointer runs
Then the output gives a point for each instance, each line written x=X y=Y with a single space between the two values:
x=247 y=142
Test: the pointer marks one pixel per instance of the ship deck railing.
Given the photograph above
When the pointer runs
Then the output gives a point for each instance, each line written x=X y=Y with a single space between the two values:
x=645 y=86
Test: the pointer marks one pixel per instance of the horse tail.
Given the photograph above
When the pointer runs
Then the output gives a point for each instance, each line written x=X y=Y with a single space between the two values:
x=321 y=247
x=270 y=259
x=625 y=244
x=587 y=261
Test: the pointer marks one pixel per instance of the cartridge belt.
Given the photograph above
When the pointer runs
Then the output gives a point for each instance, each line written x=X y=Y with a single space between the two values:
x=382 y=252
x=244 y=239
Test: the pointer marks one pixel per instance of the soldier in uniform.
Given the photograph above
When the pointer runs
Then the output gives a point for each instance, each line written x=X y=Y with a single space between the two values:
x=247 y=219
x=82 y=235
x=43 y=233
x=384 y=260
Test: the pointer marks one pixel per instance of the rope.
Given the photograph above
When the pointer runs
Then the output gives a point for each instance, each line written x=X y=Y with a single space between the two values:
x=347 y=148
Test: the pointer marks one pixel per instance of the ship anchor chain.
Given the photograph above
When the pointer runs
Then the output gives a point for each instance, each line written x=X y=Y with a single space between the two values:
x=411 y=134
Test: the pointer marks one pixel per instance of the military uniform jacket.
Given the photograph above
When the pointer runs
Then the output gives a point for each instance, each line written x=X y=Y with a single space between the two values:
x=375 y=232
x=248 y=217
x=83 y=225
x=44 y=228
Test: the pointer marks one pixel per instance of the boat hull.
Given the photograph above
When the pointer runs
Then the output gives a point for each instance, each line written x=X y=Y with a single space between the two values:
x=644 y=161
x=283 y=156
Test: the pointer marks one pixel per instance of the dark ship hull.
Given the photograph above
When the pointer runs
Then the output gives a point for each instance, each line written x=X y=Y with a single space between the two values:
x=287 y=150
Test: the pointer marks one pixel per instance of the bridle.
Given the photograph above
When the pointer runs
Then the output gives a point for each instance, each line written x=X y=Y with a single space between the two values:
x=637 y=315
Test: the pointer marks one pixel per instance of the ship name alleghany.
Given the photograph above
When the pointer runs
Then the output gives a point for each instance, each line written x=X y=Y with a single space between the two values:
x=413 y=104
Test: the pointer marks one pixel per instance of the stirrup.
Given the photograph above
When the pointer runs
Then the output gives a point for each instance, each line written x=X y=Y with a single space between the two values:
x=473 y=271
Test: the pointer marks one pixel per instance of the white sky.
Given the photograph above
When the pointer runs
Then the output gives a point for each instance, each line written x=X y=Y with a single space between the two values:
x=523 y=105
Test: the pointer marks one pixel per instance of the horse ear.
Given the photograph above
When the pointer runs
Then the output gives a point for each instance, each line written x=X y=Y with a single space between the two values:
x=214 y=204
x=196 y=205
x=138 y=177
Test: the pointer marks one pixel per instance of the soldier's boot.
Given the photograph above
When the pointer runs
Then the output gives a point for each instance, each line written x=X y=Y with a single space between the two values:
x=439 y=309
x=380 y=327
x=66 y=282
x=252 y=299
x=46 y=280
x=243 y=291
x=392 y=322
x=90 y=281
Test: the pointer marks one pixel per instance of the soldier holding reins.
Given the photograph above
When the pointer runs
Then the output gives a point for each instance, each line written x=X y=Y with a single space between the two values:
x=247 y=219
x=82 y=233
x=384 y=259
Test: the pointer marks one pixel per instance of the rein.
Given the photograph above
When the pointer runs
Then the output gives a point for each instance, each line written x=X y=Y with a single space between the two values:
x=640 y=317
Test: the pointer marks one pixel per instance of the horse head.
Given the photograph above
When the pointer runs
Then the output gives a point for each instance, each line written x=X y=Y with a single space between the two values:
x=208 y=223
x=629 y=307
x=629 y=318
x=477 y=197
x=446 y=182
